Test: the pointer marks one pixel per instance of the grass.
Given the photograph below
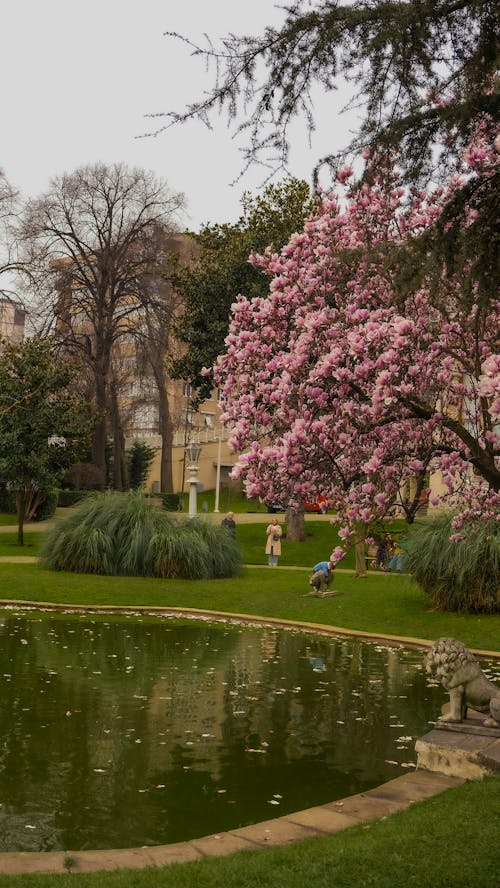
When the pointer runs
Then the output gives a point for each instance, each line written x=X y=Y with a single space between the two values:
x=229 y=500
x=381 y=603
x=9 y=546
x=321 y=539
x=451 y=839
x=7 y=519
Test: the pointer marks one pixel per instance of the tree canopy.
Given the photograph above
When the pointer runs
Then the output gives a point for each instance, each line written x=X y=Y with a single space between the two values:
x=424 y=79
x=94 y=241
x=423 y=71
x=336 y=382
x=220 y=270
x=43 y=423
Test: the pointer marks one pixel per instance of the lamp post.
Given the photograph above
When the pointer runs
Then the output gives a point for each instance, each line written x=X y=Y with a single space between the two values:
x=193 y=451
x=217 y=482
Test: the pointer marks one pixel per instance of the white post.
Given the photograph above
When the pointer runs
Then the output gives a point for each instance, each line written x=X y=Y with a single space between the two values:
x=193 y=451
x=217 y=480
x=193 y=490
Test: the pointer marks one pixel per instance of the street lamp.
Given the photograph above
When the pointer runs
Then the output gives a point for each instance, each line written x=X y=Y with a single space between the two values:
x=193 y=451
x=217 y=480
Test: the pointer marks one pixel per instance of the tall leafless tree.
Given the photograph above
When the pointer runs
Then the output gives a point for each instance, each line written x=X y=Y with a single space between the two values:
x=158 y=343
x=92 y=239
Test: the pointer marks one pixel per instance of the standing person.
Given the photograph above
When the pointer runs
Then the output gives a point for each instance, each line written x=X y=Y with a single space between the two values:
x=273 y=543
x=383 y=551
x=396 y=562
x=229 y=523
x=322 y=577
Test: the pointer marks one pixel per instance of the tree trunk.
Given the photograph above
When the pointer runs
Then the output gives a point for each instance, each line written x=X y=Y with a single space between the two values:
x=295 y=525
x=21 y=511
x=165 y=427
x=359 y=550
x=100 y=429
x=119 y=470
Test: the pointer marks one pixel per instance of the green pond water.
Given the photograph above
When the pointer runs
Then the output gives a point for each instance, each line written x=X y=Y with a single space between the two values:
x=127 y=731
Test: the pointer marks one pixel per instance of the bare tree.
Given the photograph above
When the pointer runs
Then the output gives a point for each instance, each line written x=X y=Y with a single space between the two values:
x=8 y=204
x=92 y=238
x=11 y=264
x=163 y=307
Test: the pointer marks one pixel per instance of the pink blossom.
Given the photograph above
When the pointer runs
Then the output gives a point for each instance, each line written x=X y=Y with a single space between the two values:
x=337 y=554
x=335 y=382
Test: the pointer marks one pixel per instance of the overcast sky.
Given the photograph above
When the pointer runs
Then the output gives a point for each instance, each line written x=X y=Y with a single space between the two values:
x=78 y=79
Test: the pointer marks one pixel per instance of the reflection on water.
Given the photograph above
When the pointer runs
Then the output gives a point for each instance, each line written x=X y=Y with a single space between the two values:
x=129 y=731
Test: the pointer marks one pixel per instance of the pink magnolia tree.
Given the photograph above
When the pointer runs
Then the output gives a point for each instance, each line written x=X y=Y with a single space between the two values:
x=340 y=383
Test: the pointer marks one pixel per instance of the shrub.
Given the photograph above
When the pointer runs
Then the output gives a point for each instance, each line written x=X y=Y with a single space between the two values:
x=179 y=554
x=7 y=501
x=48 y=506
x=139 y=459
x=122 y=534
x=460 y=575
x=85 y=476
x=170 y=501
x=45 y=510
x=222 y=553
x=68 y=498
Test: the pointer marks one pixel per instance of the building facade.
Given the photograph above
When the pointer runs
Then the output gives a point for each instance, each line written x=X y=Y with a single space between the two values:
x=12 y=320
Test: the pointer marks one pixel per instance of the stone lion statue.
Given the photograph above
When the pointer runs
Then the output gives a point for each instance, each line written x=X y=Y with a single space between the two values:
x=460 y=673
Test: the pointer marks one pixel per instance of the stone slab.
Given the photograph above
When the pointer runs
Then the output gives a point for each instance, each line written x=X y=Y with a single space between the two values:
x=15 y=862
x=126 y=858
x=415 y=787
x=461 y=754
x=473 y=726
x=220 y=844
x=273 y=832
x=363 y=808
x=322 y=819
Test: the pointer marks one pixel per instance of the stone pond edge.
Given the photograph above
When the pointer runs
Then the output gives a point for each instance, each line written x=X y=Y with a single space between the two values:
x=362 y=808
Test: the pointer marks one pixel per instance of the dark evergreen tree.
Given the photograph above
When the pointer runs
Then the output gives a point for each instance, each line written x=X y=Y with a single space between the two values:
x=210 y=283
x=140 y=457
x=424 y=76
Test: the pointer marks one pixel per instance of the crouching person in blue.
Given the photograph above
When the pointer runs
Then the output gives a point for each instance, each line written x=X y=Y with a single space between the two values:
x=321 y=578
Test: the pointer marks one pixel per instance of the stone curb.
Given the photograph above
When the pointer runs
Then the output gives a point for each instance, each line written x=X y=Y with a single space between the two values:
x=320 y=821
x=252 y=619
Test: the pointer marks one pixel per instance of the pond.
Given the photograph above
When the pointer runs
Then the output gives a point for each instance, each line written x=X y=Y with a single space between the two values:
x=135 y=730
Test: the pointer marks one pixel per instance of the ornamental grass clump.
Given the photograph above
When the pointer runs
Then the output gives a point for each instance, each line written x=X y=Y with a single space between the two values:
x=123 y=535
x=179 y=554
x=459 y=571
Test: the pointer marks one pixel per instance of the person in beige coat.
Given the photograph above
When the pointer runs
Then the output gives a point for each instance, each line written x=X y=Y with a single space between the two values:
x=273 y=543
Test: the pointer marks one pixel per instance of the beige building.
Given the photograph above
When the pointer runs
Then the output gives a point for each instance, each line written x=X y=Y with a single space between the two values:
x=203 y=427
x=12 y=320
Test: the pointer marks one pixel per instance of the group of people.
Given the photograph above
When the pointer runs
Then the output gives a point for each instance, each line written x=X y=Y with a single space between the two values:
x=389 y=555
x=273 y=537
x=322 y=573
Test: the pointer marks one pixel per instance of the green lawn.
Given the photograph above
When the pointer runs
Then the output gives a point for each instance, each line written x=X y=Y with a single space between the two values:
x=7 y=519
x=320 y=540
x=9 y=546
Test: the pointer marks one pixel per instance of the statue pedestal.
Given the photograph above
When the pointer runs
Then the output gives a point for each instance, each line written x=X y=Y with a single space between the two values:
x=466 y=749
